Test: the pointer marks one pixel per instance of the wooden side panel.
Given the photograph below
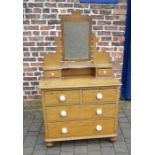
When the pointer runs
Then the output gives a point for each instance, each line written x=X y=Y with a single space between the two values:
x=52 y=60
x=80 y=128
x=99 y=57
x=80 y=112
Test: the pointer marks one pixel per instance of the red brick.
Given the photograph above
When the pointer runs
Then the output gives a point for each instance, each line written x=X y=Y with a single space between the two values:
x=118 y=38
x=44 y=33
x=36 y=10
x=36 y=48
x=36 y=64
x=103 y=43
x=43 y=43
x=104 y=33
x=122 y=28
x=28 y=88
x=25 y=49
x=31 y=27
x=36 y=38
x=119 y=12
x=49 y=16
x=97 y=27
x=27 y=33
x=50 y=5
x=39 y=22
x=36 y=33
x=28 y=43
x=63 y=11
x=26 y=54
x=114 y=17
x=111 y=27
x=32 y=16
x=44 y=28
x=29 y=74
x=31 y=5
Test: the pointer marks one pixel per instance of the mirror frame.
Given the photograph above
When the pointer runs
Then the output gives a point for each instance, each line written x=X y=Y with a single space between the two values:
x=75 y=17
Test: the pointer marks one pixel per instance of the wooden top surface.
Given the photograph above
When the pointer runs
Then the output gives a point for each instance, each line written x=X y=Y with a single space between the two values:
x=77 y=82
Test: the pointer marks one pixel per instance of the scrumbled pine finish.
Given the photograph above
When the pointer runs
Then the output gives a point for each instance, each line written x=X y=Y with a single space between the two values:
x=79 y=97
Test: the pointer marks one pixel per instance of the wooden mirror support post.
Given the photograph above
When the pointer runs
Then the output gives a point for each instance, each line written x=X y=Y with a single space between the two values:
x=79 y=96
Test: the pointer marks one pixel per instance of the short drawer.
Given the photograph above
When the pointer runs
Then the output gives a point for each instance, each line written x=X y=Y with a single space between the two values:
x=99 y=95
x=52 y=74
x=65 y=113
x=61 y=97
x=80 y=128
x=104 y=72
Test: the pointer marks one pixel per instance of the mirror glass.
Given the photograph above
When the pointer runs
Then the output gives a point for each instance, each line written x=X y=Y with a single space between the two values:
x=76 y=40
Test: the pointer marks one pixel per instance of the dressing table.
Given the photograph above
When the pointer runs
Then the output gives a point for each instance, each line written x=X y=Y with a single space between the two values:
x=79 y=91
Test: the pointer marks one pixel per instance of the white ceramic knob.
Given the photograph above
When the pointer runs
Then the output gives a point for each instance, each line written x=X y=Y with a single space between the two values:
x=64 y=130
x=99 y=96
x=104 y=72
x=63 y=113
x=99 y=111
x=52 y=74
x=98 y=127
x=62 y=98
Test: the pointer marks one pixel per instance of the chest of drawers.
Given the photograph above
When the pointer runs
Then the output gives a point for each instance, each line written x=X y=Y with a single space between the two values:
x=88 y=111
x=79 y=91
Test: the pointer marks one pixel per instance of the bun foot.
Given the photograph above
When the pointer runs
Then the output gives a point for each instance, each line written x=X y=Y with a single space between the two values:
x=49 y=144
x=112 y=139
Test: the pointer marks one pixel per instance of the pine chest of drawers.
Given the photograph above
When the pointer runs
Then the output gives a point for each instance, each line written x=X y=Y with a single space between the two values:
x=88 y=111
x=79 y=91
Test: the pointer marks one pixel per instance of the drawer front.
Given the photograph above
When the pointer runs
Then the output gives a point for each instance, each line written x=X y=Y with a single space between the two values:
x=64 y=113
x=52 y=74
x=80 y=128
x=104 y=72
x=62 y=97
x=99 y=96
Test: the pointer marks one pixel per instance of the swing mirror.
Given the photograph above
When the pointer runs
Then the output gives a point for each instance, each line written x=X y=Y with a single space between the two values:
x=76 y=37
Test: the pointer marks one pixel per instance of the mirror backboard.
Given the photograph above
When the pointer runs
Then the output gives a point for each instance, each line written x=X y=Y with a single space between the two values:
x=76 y=37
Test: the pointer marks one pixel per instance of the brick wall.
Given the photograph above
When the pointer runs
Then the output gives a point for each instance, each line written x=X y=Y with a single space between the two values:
x=41 y=21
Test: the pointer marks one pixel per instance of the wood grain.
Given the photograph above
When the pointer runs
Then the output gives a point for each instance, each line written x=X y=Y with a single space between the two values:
x=52 y=97
x=52 y=74
x=80 y=128
x=79 y=112
x=78 y=82
x=104 y=72
x=109 y=95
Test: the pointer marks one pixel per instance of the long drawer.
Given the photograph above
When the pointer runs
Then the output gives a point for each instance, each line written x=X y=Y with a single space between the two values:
x=99 y=95
x=80 y=128
x=78 y=112
x=61 y=97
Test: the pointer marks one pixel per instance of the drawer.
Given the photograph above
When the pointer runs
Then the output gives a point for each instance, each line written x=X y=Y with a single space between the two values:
x=99 y=96
x=61 y=97
x=53 y=73
x=79 y=112
x=80 y=128
x=103 y=72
